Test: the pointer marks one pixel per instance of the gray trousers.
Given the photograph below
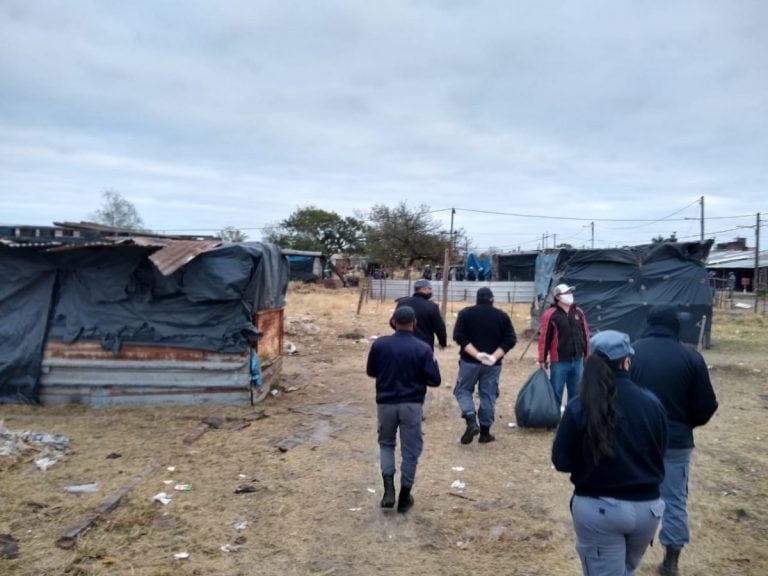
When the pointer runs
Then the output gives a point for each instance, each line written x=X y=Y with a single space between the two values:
x=407 y=418
x=612 y=535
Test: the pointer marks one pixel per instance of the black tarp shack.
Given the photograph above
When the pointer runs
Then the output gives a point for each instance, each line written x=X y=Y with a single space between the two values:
x=616 y=287
x=139 y=320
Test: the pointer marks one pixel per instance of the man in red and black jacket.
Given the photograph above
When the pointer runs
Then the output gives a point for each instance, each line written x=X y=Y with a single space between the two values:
x=564 y=337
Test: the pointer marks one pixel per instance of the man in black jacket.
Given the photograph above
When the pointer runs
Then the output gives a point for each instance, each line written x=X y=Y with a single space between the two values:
x=429 y=322
x=677 y=374
x=403 y=367
x=484 y=334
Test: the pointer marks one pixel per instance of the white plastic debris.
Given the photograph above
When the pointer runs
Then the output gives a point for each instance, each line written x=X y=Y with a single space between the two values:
x=372 y=491
x=458 y=468
x=171 y=468
x=82 y=488
x=161 y=497
x=458 y=484
x=242 y=476
x=168 y=482
x=181 y=556
x=230 y=548
x=355 y=509
x=45 y=463
x=512 y=424
x=240 y=525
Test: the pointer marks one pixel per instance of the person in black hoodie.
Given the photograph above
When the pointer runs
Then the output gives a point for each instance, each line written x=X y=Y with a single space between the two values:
x=484 y=335
x=677 y=374
x=612 y=439
x=429 y=322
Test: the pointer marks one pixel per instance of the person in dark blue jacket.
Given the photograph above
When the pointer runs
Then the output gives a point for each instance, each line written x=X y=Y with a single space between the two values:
x=429 y=322
x=678 y=376
x=612 y=439
x=484 y=334
x=403 y=367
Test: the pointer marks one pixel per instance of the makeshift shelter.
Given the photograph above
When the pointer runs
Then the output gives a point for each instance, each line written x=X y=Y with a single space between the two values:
x=139 y=320
x=305 y=266
x=516 y=266
x=616 y=287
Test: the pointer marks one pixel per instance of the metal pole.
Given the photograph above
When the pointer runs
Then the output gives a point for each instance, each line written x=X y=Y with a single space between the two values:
x=447 y=269
x=592 y=225
x=756 y=274
x=702 y=218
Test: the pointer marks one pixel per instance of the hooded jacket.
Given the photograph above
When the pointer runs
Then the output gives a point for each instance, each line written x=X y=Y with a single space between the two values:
x=676 y=373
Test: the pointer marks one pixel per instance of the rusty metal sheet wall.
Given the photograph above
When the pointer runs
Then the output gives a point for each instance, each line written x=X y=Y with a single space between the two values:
x=270 y=324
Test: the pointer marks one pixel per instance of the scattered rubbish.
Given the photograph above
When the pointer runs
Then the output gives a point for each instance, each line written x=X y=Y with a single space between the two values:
x=497 y=532
x=246 y=489
x=114 y=455
x=742 y=305
x=512 y=424
x=213 y=421
x=458 y=468
x=290 y=348
x=274 y=392
x=166 y=482
x=9 y=547
x=230 y=548
x=56 y=441
x=82 y=488
x=355 y=509
x=458 y=485
x=161 y=497
x=171 y=468
x=371 y=490
x=242 y=476
x=240 y=525
x=45 y=463
x=181 y=556
x=186 y=487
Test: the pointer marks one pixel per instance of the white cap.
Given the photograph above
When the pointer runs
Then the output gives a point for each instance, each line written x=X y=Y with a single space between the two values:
x=562 y=289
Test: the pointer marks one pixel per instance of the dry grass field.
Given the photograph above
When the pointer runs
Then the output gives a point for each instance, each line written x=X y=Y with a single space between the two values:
x=291 y=486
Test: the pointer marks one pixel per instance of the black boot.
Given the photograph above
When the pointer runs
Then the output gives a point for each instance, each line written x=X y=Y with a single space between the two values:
x=388 y=500
x=405 y=500
x=485 y=435
x=471 y=431
x=669 y=566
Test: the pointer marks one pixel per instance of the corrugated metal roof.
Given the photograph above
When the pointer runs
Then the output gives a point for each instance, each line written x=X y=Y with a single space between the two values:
x=736 y=259
x=176 y=253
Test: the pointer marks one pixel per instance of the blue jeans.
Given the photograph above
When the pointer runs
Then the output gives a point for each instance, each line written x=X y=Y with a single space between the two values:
x=407 y=418
x=674 y=490
x=612 y=535
x=486 y=378
x=566 y=373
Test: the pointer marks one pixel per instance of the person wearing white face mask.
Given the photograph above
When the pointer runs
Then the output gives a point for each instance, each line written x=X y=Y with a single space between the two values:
x=564 y=343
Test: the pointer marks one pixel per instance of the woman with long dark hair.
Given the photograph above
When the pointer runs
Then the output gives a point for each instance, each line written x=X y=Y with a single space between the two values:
x=612 y=439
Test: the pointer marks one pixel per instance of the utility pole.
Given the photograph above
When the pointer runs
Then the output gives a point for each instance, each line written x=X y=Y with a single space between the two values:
x=756 y=274
x=447 y=269
x=592 y=225
x=702 y=218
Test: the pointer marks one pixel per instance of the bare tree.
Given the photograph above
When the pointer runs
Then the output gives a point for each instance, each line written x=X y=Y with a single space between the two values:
x=117 y=212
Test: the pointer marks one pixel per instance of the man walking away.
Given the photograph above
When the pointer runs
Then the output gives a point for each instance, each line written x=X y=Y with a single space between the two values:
x=484 y=335
x=429 y=322
x=678 y=376
x=403 y=367
x=564 y=337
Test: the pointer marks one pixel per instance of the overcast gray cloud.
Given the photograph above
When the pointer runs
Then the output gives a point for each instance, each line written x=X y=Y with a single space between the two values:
x=207 y=115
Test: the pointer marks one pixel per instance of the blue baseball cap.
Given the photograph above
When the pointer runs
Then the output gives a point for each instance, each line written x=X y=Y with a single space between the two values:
x=612 y=344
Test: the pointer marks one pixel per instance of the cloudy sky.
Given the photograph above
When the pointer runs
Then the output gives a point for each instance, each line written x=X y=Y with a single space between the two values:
x=529 y=118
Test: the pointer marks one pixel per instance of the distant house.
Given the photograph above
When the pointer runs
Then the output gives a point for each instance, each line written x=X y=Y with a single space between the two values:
x=106 y=317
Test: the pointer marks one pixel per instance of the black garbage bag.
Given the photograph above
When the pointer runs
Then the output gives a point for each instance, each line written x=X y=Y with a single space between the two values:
x=536 y=406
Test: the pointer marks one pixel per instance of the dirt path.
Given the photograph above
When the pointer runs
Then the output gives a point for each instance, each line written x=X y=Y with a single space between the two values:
x=310 y=461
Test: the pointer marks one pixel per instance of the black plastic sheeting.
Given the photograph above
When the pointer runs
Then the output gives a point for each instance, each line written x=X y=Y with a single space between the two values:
x=516 y=267
x=115 y=295
x=617 y=287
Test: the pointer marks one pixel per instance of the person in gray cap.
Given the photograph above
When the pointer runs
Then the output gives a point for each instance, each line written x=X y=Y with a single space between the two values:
x=612 y=439
x=484 y=334
x=678 y=376
x=403 y=367
x=429 y=322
